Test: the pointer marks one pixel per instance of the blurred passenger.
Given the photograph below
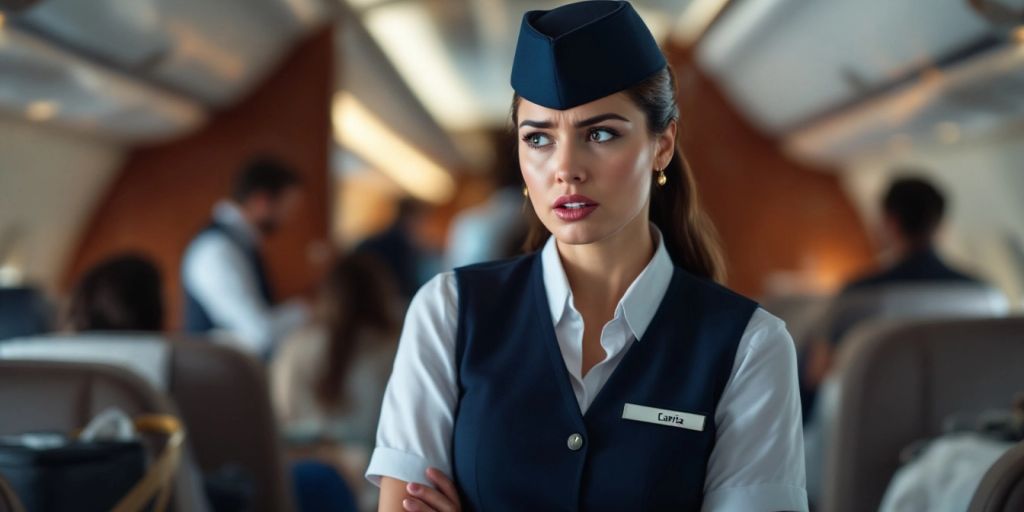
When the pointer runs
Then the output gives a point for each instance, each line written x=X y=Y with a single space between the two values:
x=319 y=488
x=912 y=215
x=401 y=248
x=912 y=211
x=125 y=293
x=122 y=293
x=328 y=379
x=942 y=474
x=226 y=284
x=496 y=228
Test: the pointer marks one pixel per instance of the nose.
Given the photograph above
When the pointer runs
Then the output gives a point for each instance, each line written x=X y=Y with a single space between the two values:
x=569 y=165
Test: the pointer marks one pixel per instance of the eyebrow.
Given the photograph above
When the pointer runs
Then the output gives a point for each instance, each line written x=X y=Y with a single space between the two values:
x=579 y=124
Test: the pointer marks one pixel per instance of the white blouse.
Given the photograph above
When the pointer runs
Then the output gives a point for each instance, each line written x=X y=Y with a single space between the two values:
x=757 y=463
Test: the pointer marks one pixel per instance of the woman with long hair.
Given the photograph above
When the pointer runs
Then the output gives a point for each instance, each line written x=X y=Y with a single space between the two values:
x=328 y=379
x=606 y=369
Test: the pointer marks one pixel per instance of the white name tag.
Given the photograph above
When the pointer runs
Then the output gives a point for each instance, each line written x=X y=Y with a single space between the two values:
x=663 y=417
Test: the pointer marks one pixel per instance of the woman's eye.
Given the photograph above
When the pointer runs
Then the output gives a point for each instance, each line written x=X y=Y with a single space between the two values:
x=600 y=135
x=537 y=140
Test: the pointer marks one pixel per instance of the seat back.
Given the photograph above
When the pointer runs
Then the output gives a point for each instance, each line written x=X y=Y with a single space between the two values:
x=915 y=300
x=224 y=399
x=1002 y=487
x=898 y=381
x=802 y=314
x=65 y=396
x=147 y=355
x=221 y=394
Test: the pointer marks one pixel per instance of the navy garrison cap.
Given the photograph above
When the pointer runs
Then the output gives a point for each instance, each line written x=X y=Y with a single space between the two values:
x=581 y=52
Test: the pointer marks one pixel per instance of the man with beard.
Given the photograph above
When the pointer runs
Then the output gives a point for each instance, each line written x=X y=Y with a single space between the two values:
x=227 y=289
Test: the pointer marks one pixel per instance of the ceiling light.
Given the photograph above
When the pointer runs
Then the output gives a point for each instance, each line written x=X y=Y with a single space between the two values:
x=409 y=37
x=10 y=276
x=42 y=110
x=361 y=132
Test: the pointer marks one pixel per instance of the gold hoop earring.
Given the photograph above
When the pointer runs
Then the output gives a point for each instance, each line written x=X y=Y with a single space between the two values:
x=662 y=179
x=526 y=191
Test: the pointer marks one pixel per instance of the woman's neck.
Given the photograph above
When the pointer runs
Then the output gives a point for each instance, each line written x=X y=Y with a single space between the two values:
x=599 y=273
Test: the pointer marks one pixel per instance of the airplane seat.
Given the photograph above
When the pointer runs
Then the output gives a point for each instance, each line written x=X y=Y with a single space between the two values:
x=221 y=393
x=24 y=311
x=1002 y=487
x=912 y=300
x=899 y=381
x=902 y=302
x=64 y=396
x=802 y=314
x=224 y=398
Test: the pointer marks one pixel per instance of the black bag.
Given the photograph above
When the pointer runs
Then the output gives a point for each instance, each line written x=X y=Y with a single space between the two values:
x=78 y=476
x=54 y=474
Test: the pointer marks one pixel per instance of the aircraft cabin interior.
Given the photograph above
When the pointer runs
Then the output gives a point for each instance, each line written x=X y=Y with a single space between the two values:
x=330 y=255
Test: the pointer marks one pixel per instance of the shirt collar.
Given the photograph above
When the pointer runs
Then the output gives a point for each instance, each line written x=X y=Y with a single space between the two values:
x=638 y=304
x=229 y=215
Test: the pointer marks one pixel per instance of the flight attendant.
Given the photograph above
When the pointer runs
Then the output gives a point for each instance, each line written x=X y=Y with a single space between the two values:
x=605 y=369
x=227 y=288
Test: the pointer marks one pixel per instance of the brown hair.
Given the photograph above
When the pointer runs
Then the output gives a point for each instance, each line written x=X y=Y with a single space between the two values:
x=689 y=235
x=122 y=293
x=357 y=296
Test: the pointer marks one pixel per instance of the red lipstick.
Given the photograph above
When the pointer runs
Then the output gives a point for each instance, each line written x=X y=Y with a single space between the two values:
x=574 y=207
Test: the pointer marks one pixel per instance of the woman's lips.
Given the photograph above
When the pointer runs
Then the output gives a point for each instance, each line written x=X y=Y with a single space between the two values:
x=574 y=207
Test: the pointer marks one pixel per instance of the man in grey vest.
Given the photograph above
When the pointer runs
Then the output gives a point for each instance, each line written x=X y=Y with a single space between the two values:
x=227 y=289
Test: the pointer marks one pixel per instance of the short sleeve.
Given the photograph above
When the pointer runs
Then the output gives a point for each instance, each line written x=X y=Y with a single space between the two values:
x=417 y=414
x=758 y=460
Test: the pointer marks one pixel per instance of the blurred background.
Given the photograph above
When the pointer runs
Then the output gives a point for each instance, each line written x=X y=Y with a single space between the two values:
x=124 y=122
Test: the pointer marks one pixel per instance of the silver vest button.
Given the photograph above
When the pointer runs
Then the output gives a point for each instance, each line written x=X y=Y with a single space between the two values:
x=575 y=442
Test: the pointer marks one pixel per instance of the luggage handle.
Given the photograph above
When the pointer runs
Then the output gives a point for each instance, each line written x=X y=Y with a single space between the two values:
x=158 y=479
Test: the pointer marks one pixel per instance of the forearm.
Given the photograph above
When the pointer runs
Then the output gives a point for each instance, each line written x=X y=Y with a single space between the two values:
x=392 y=493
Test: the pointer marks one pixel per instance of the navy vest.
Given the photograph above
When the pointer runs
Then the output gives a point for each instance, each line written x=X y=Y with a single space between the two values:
x=197 y=319
x=517 y=411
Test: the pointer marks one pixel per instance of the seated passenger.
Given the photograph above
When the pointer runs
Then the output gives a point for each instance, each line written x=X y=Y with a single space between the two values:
x=122 y=293
x=944 y=473
x=912 y=215
x=912 y=212
x=328 y=379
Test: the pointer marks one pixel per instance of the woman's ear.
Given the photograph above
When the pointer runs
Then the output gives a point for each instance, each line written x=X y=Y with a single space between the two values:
x=665 y=146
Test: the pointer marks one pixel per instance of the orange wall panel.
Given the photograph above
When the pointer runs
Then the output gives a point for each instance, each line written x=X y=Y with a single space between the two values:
x=164 y=194
x=773 y=213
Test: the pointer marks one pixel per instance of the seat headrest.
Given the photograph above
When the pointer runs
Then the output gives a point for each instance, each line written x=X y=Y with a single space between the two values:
x=147 y=355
